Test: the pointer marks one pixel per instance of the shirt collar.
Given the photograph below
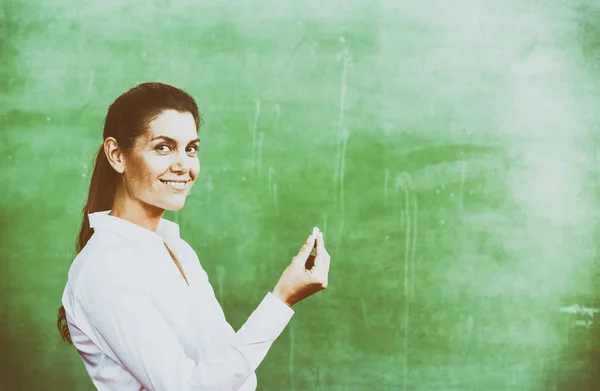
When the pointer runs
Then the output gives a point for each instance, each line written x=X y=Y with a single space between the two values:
x=166 y=231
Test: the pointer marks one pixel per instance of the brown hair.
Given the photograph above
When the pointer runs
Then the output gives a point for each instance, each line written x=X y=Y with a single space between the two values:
x=128 y=117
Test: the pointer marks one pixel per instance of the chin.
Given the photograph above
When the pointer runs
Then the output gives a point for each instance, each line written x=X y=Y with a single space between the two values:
x=171 y=205
x=174 y=207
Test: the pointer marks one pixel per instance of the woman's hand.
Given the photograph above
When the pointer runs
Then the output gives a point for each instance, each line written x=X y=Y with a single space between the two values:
x=307 y=274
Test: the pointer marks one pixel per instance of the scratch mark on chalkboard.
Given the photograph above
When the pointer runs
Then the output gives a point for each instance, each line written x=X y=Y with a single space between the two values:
x=272 y=186
x=462 y=181
x=21 y=252
x=270 y=176
x=261 y=138
x=386 y=179
x=580 y=310
x=209 y=190
x=584 y=323
x=275 y=198
x=470 y=325
x=324 y=230
x=277 y=115
x=598 y=163
x=594 y=252
x=91 y=84
x=406 y=286
x=550 y=357
x=296 y=48
x=319 y=378
x=254 y=128
x=313 y=51
x=343 y=56
x=83 y=165
x=341 y=184
x=364 y=312
x=404 y=182
x=415 y=221
x=513 y=380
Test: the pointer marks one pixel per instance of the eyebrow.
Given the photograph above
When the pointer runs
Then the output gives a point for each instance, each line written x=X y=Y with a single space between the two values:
x=172 y=140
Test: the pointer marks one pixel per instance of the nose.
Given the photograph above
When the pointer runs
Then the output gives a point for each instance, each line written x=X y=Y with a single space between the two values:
x=181 y=163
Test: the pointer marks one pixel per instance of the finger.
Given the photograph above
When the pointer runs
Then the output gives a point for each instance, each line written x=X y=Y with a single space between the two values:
x=305 y=250
x=320 y=247
x=321 y=271
x=322 y=262
x=320 y=244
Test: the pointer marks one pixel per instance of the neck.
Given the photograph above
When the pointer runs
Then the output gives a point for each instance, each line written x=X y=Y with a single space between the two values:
x=135 y=211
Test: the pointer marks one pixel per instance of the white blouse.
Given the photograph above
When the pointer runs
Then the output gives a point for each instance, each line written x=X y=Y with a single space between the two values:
x=137 y=325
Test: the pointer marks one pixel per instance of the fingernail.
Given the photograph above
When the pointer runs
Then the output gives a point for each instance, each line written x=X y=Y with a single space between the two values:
x=315 y=231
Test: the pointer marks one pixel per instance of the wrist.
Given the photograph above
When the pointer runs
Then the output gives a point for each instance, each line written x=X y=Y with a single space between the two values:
x=276 y=292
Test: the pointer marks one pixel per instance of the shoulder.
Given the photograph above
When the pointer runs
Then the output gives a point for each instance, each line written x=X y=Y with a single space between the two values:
x=185 y=246
x=99 y=265
x=190 y=258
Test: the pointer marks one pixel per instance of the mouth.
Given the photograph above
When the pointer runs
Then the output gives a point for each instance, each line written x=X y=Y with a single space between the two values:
x=177 y=185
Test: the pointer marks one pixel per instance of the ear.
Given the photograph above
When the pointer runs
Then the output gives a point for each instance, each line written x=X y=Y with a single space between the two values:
x=114 y=154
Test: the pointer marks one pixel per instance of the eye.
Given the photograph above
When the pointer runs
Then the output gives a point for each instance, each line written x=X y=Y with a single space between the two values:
x=161 y=148
x=194 y=148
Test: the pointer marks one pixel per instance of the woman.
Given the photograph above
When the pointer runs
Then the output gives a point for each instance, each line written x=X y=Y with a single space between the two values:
x=138 y=306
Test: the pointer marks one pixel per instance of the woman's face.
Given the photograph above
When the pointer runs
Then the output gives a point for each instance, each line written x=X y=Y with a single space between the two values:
x=163 y=163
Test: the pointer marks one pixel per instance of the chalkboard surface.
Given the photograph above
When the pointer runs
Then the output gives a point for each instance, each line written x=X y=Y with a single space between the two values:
x=448 y=150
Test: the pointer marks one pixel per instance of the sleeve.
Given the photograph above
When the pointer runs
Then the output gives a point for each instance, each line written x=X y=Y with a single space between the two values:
x=140 y=338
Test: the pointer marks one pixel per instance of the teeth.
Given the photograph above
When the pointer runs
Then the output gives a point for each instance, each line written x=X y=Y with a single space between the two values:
x=176 y=185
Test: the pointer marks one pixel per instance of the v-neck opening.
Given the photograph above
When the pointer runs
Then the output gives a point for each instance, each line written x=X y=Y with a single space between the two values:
x=177 y=264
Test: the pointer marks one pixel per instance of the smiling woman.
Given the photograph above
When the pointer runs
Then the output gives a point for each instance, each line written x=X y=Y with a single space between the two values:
x=161 y=167
x=138 y=306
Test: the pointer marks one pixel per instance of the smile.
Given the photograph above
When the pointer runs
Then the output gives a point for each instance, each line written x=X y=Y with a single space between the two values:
x=177 y=185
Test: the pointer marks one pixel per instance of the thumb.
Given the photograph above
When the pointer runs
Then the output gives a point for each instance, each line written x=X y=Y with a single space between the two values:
x=305 y=250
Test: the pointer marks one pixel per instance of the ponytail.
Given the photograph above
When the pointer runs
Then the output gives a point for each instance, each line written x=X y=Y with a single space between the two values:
x=101 y=195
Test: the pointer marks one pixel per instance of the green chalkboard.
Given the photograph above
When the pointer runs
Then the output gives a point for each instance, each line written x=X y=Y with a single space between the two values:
x=448 y=150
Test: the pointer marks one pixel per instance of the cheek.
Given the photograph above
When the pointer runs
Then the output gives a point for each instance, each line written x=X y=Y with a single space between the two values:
x=195 y=167
x=147 y=171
